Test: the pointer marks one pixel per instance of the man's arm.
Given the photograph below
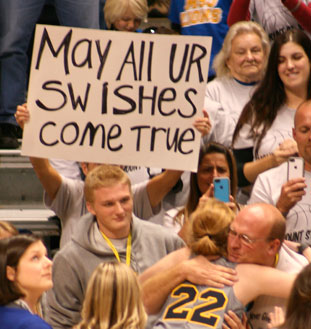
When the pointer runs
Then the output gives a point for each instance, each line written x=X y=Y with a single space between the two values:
x=50 y=179
x=158 y=186
x=48 y=176
x=160 y=279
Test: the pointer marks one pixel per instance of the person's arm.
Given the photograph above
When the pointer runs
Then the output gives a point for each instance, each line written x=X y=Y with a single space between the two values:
x=256 y=280
x=48 y=176
x=239 y=11
x=158 y=186
x=301 y=248
x=300 y=11
x=251 y=169
x=160 y=279
x=50 y=179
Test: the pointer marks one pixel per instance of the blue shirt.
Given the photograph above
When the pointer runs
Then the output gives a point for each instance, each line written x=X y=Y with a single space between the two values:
x=208 y=19
x=15 y=318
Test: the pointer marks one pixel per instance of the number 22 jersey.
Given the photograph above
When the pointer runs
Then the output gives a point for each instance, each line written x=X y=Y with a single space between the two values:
x=194 y=306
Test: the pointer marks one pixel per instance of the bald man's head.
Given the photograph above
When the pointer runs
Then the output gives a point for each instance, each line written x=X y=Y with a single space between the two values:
x=259 y=230
x=302 y=132
x=303 y=108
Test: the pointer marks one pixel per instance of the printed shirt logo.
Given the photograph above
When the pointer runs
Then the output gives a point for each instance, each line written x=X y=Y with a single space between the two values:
x=200 y=12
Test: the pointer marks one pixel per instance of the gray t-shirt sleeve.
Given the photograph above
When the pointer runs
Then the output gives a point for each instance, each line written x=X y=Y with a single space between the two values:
x=141 y=204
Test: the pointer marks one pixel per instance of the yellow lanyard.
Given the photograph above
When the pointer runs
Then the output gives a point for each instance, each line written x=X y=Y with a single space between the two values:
x=128 y=248
x=276 y=259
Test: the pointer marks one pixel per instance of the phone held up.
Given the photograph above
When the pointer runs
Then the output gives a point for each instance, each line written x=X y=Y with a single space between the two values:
x=222 y=188
x=295 y=168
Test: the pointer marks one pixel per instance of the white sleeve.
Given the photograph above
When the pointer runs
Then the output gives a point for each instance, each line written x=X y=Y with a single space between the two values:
x=222 y=123
x=261 y=191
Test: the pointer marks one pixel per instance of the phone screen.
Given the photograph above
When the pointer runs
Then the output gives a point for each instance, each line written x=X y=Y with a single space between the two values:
x=222 y=188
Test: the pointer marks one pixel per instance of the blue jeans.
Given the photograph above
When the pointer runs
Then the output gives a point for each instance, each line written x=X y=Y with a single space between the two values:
x=19 y=19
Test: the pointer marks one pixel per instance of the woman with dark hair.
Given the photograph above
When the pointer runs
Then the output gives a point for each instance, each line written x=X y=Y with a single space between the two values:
x=25 y=274
x=264 y=129
x=215 y=160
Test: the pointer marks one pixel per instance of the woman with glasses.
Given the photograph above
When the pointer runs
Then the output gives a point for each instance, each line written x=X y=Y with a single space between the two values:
x=201 y=305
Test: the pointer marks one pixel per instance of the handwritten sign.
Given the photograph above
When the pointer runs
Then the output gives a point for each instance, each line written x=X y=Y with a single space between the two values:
x=116 y=97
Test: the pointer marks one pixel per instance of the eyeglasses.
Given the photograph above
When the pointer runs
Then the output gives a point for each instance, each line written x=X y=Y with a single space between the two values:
x=244 y=238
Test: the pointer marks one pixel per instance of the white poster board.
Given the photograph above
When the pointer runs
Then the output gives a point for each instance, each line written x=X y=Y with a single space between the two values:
x=116 y=97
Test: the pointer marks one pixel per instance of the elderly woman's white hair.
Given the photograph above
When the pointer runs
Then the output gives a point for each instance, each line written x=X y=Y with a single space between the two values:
x=220 y=60
x=115 y=9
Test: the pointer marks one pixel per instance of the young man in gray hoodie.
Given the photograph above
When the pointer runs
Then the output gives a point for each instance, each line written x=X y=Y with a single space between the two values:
x=110 y=232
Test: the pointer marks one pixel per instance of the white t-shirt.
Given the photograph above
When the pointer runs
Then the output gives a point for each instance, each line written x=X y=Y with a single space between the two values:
x=267 y=189
x=224 y=101
x=280 y=130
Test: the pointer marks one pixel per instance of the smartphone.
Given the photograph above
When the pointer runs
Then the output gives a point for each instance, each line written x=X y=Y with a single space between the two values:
x=295 y=167
x=222 y=188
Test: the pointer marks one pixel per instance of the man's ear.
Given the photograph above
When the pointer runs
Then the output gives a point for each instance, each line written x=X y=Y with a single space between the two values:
x=84 y=168
x=274 y=246
x=10 y=273
x=90 y=208
x=294 y=133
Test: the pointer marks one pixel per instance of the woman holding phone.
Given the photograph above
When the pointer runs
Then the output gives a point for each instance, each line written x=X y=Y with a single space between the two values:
x=215 y=161
x=265 y=125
